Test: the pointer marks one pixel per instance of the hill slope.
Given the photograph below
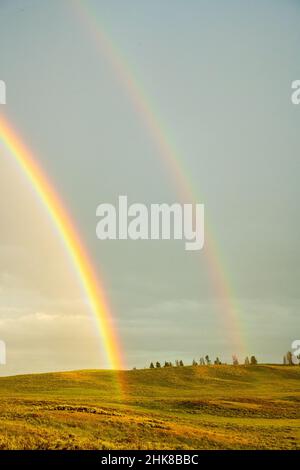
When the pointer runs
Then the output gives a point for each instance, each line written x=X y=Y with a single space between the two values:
x=215 y=407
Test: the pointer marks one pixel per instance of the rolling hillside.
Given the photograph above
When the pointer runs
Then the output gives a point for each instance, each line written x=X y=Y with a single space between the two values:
x=208 y=407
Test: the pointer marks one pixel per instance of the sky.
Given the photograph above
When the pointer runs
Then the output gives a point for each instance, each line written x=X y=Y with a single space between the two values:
x=217 y=77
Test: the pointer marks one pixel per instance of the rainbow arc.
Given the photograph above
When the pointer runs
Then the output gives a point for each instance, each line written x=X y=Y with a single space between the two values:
x=70 y=236
x=171 y=159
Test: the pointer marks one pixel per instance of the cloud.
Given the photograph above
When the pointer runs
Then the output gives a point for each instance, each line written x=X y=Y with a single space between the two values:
x=40 y=341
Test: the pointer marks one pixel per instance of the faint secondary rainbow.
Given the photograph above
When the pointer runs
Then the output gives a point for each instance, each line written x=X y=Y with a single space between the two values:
x=171 y=158
x=71 y=239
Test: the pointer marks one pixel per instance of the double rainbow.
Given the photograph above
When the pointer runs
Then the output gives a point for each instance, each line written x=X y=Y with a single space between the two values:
x=66 y=227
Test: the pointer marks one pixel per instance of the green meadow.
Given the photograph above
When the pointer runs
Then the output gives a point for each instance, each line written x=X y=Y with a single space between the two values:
x=201 y=407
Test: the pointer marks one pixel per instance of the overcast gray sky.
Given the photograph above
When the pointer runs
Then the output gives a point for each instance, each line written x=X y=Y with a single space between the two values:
x=218 y=75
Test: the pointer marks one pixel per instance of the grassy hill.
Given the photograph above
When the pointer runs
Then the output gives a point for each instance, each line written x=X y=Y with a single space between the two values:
x=208 y=407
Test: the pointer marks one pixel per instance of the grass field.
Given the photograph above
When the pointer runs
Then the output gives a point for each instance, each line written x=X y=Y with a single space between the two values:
x=204 y=407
